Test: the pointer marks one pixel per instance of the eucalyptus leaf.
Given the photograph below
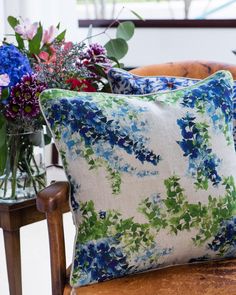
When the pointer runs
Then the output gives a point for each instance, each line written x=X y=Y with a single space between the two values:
x=137 y=15
x=125 y=30
x=116 y=48
x=34 y=44
x=12 y=21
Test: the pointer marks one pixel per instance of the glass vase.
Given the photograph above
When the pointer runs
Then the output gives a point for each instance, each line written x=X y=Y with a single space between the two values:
x=24 y=173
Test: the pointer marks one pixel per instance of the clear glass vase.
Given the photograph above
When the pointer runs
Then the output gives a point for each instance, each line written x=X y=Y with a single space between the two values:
x=24 y=171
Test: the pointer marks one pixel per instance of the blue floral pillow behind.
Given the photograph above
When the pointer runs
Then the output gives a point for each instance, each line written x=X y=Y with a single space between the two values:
x=123 y=82
x=152 y=177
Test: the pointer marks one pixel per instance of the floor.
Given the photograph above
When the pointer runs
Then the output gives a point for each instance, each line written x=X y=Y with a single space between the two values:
x=35 y=255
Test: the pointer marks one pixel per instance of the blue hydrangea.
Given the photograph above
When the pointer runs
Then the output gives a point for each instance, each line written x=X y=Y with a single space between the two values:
x=13 y=63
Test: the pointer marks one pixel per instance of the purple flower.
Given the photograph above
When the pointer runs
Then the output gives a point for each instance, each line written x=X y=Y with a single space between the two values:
x=23 y=103
x=96 y=50
x=94 y=55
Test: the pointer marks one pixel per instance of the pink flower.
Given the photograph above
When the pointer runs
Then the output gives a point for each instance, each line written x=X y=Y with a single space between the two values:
x=4 y=80
x=26 y=29
x=48 y=57
x=67 y=46
x=49 y=35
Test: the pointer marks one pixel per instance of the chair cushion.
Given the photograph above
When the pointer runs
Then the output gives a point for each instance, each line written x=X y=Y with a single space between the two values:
x=152 y=177
x=123 y=82
x=211 y=278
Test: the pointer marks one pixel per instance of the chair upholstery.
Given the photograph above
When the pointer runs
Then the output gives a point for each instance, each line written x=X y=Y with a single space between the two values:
x=197 y=279
x=191 y=69
x=211 y=278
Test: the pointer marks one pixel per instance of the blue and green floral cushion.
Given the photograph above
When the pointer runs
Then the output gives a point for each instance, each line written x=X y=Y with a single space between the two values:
x=123 y=82
x=152 y=177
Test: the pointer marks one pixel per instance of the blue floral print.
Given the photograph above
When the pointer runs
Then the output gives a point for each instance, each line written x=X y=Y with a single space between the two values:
x=225 y=239
x=147 y=172
x=123 y=82
x=99 y=261
x=203 y=163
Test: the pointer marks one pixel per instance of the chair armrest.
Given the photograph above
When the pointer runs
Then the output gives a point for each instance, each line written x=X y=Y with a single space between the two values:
x=53 y=197
x=54 y=201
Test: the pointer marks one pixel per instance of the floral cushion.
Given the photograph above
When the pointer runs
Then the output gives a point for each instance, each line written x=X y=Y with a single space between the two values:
x=152 y=177
x=122 y=82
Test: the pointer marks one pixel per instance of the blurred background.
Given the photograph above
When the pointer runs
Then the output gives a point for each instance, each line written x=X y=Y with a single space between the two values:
x=172 y=30
x=153 y=42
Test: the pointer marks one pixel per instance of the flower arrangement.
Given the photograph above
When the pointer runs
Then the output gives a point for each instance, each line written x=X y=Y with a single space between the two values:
x=42 y=59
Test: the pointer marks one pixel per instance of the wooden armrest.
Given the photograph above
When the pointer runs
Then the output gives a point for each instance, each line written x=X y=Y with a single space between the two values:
x=53 y=197
x=54 y=201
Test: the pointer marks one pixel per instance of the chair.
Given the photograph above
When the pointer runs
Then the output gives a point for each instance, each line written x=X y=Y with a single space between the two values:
x=211 y=278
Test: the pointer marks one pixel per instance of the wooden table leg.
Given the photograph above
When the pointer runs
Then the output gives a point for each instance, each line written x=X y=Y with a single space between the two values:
x=13 y=258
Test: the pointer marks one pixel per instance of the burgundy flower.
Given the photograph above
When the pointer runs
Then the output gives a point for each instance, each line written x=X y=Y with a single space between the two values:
x=80 y=85
x=94 y=55
x=23 y=103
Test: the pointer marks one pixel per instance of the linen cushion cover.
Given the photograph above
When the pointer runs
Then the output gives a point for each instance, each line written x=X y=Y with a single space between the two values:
x=123 y=82
x=152 y=177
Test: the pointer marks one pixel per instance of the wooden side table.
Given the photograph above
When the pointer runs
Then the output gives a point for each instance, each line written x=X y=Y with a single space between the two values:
x=12 y=218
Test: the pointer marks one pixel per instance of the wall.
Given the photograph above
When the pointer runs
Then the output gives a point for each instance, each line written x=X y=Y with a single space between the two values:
x=148 y=46
x=158 y=45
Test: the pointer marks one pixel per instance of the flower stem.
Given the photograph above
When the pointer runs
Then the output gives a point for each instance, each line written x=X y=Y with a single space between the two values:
x=15 y=146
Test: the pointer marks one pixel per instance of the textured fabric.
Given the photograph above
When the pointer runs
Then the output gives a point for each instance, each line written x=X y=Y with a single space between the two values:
x=212 y=278
x=152 y=177
x=122 y=82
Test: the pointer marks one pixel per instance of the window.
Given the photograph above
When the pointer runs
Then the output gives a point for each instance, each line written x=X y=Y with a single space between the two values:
x=157 y=9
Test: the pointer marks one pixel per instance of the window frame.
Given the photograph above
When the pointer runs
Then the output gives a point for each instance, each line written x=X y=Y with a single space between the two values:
x=166 y=23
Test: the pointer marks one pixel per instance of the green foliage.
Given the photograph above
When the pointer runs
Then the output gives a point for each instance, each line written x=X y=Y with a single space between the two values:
x=125 y=30
x=115 y=178
x=35 y=43
x=61 y=36
x=20 y=41
x=133 y=235
x=5 y=93
x=96 y=162
x=116 y=48
x=153 y=212
x=12 y=21
x=177 y=214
